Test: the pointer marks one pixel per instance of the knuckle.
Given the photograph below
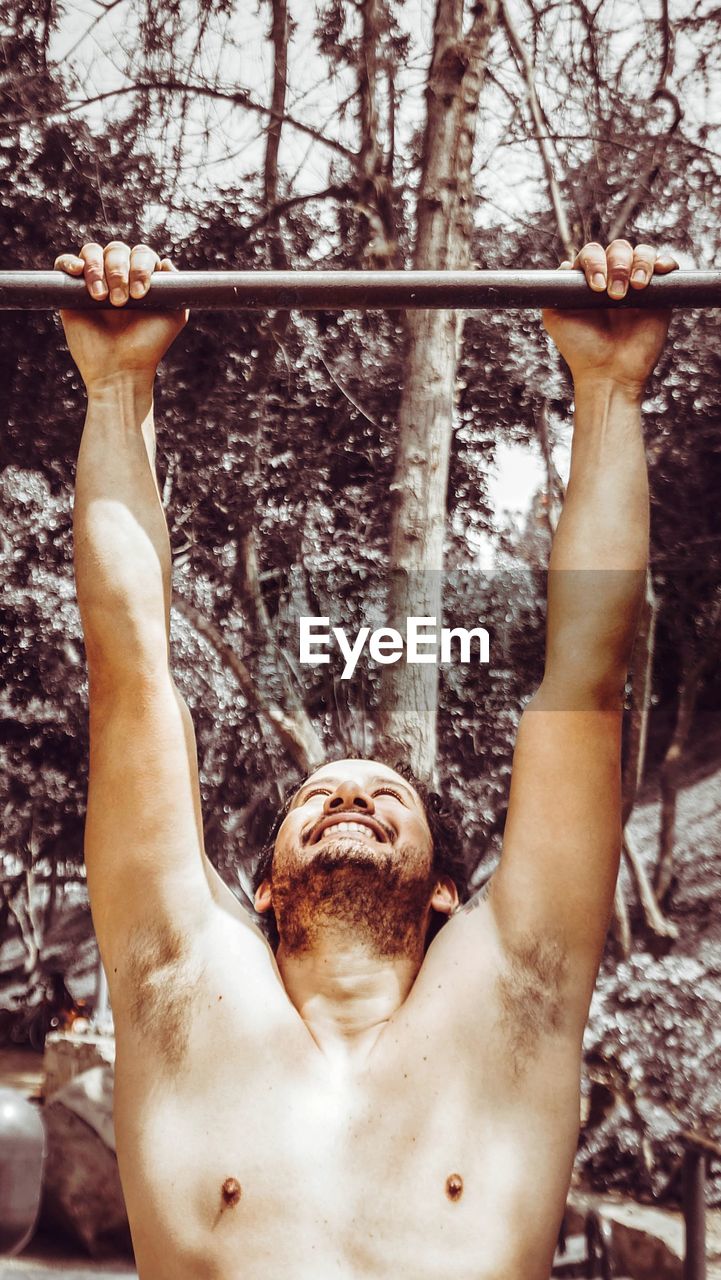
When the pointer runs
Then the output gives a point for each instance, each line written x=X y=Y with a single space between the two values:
x=91 y=254
x=592 y=256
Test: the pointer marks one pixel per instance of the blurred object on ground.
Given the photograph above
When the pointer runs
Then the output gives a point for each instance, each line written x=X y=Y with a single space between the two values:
x=49 y=1255
x=22 y=1068
x=45 y=1007
x=82 y=1193
x=69 y=1054
x=647 y=1242
x=22 y=1152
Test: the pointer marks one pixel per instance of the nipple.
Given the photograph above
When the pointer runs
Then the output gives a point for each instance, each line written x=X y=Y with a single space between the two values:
x=231 y=1192
x=454 y=1186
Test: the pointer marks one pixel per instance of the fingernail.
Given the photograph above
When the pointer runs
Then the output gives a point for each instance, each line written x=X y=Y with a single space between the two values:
x=117 y=296
x=640 y=276
x=97 y=289
x=137 y=289
x=617 y=289
x=598 y=281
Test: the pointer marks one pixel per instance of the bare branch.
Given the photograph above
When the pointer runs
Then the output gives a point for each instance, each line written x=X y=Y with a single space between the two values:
x=648 y=172
x=304 y=749
x=237 y=97
x=106 y=9
x=340 y=191
x=539 y=131
x=653 y=915
x=346 y=393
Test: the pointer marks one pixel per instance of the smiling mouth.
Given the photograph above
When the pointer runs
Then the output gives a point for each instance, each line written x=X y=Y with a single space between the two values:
x=365 y=828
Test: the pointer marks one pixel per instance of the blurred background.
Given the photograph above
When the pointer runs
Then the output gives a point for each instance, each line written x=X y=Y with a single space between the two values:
x=284 y=135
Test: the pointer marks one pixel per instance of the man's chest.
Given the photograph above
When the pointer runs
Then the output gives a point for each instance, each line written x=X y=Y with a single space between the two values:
x=365 y=1171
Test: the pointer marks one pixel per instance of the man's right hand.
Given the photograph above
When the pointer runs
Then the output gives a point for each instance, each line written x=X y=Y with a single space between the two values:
x=108 y=344
x=616 y=345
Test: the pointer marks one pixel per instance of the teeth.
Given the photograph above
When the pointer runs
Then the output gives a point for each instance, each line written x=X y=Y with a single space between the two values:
x=355 y=827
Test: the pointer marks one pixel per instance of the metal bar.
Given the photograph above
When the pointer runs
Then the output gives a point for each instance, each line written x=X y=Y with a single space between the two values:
x=360 y=290
x=694 y=1213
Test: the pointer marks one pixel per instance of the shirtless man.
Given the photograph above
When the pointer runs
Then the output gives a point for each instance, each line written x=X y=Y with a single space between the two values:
x=350 y=1107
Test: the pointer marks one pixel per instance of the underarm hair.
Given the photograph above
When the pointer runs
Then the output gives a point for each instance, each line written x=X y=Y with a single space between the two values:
x=530 y=988
x=163 y=985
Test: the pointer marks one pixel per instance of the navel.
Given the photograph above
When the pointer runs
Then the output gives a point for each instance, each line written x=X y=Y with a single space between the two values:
x=454 y=1186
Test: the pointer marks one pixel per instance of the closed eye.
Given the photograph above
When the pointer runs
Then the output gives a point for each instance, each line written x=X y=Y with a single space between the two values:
x=317 y=791
x=388 y=791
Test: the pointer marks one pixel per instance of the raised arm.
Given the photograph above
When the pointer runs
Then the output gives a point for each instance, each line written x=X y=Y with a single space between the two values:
x=151 y=887
x=552 y=894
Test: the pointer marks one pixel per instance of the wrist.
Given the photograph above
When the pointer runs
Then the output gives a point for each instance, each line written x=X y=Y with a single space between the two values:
x=127 y=386
x=142 y=379
x=589 y=386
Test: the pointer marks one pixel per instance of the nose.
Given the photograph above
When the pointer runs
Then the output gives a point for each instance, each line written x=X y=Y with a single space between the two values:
x=348 y=795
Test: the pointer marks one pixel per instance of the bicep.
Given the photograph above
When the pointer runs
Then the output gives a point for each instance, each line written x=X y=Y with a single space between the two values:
x=558 y=869
x=143 y=840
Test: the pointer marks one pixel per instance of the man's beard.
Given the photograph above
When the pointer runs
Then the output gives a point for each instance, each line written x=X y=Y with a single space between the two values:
x=355 y=894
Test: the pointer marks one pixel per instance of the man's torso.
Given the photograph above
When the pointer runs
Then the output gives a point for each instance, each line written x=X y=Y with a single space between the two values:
x=445 y=1150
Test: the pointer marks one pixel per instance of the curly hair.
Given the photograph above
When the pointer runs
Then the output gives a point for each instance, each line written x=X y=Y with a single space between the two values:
x=443 y=823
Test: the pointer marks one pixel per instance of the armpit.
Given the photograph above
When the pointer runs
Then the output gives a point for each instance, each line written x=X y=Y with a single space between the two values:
x=530 y=989
x=163 y=978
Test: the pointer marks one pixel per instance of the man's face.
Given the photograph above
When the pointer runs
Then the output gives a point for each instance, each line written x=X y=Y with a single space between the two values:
x=353 y=853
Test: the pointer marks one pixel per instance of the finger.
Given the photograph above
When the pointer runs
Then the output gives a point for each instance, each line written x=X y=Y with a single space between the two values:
x=644 y=260
x=167 y=265
x=665 y=262
x=70 y=263
x=619 y=256
x=592 y=260
x=117 y=271
x=92 y=256
x=143 y=261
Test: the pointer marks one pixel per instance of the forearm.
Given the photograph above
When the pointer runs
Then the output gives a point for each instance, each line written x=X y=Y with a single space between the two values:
x=122 y=550
x=600 y=549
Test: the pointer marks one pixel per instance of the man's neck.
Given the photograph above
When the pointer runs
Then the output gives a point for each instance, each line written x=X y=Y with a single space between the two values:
x=345 y=995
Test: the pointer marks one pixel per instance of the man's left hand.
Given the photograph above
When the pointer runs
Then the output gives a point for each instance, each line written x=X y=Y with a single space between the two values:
x=618 y=345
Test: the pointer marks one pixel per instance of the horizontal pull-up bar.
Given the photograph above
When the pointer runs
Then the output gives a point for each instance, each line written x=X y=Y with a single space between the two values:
x=360 y=290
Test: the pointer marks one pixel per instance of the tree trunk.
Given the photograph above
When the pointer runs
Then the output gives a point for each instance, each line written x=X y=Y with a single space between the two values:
x=641 y=688
x=289 y=722
x=375 y=182
x=23 y=909
x=409 y=692
x=621 y=921
x=671 y=771
x=279 y=34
